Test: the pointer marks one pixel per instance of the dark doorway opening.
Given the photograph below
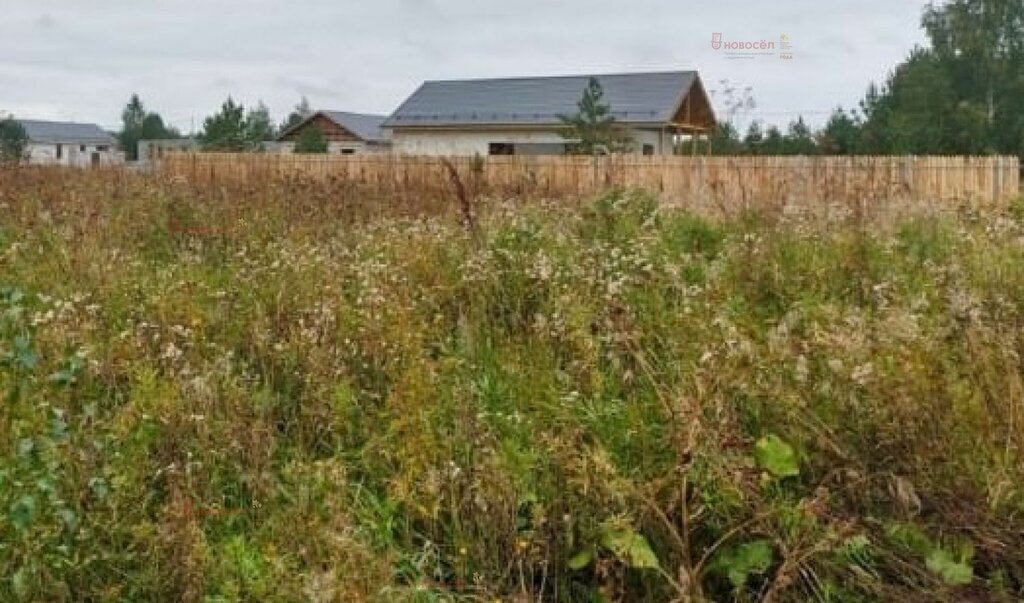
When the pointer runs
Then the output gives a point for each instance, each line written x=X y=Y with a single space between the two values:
x=501 y=148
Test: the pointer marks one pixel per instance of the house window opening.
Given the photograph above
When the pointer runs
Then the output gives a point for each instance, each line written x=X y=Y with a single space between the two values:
x=501 y=148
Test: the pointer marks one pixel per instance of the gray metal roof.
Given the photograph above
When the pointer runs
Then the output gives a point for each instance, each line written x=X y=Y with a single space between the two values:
x=363 y=125
x=638 y=98
x=64 y=132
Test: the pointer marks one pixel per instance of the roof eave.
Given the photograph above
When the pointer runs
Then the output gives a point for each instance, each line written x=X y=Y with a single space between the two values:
x=304 y=121
x=93 y=141
x=514 y=125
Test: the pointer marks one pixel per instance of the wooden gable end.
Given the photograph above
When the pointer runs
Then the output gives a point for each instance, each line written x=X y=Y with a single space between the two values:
x=695 y=113
x=332 y=130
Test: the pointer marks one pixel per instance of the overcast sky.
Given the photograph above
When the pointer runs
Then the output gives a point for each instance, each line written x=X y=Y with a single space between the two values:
x=80 y=60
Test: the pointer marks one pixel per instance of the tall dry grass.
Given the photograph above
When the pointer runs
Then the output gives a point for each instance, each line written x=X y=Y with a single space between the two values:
x=305 y=391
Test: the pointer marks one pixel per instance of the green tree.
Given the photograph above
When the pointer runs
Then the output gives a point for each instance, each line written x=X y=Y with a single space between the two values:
x=773 y=143
x=592 y=129
x=754 y=138
x=233 y=129
x=226 y=130
x=298 y=114
x=132 y=116
x=13 y=141
x=724 y=141
x=917 y=110
x=841 y=135
x=259 y=127
x=154 y=128
x=312 y=140
x=799 y=140
x=138 y=124
x=980 y=43
x=960 y=95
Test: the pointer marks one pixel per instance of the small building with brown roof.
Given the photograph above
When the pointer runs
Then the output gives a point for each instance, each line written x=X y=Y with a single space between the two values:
x=346 y=133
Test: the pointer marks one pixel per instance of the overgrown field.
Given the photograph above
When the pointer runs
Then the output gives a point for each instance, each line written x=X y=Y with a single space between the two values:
x=300 y=392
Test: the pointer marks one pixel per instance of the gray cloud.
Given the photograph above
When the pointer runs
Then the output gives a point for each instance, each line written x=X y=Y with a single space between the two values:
x=79 y=60
x=44 y=22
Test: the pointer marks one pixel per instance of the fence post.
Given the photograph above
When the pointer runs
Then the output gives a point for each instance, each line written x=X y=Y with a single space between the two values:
x=997 y=179
x=907 y=174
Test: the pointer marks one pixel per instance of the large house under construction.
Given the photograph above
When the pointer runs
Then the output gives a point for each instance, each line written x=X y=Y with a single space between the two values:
x=513 y=116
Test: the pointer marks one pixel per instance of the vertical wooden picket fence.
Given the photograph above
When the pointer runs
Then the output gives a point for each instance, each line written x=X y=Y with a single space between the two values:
x=700 y=182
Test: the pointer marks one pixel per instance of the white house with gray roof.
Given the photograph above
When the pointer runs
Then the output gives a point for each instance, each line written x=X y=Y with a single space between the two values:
x=69 y=144
x=515 y=116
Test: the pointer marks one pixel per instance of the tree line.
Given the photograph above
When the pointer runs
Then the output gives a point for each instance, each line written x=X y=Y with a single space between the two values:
x=963 y=93
x=233 y=128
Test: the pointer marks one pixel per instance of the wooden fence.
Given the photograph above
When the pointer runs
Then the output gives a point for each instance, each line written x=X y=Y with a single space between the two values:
x=708 y=182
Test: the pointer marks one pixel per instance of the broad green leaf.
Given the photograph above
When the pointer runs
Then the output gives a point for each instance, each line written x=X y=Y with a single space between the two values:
x=581 y=559
x=952 y=571
x=776 y=457
x=739 y=562
x=631 y=548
